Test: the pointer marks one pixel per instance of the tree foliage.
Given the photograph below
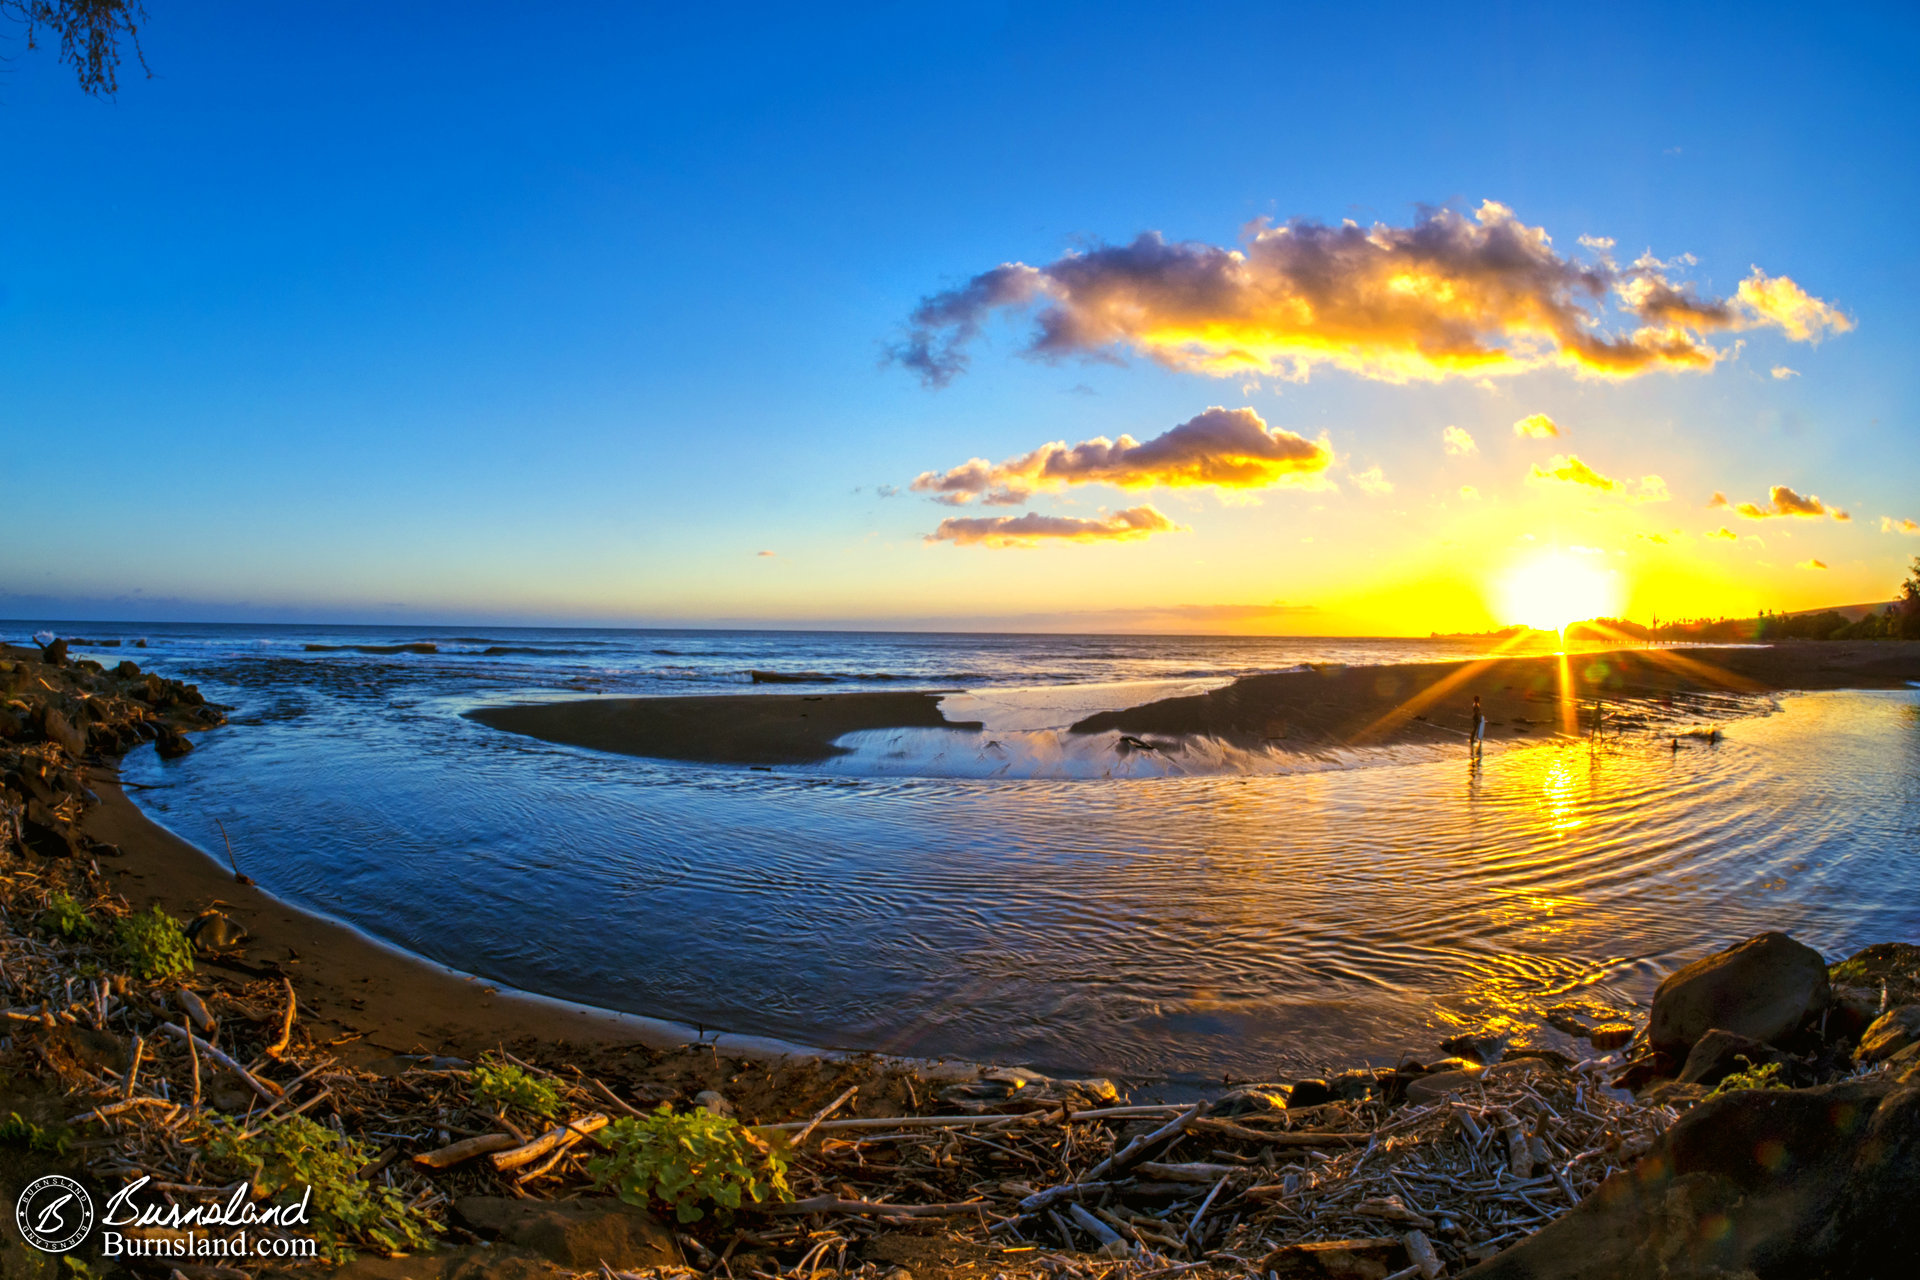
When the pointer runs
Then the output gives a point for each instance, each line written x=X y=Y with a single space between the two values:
x=90 y=34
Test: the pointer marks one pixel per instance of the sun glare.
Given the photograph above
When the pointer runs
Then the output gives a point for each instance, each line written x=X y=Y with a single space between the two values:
x=1554 y=589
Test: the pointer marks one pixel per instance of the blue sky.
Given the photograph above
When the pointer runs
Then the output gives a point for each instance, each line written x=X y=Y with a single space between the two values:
x=469 y=313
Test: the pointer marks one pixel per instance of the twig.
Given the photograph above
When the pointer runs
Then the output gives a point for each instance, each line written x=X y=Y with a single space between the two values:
x=799 y=1139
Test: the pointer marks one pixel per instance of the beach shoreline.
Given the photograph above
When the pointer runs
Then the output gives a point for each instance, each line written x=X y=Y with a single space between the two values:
x=361 y=986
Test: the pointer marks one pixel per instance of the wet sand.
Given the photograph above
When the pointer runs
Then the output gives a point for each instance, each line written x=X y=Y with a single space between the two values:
x=725 y=729
x=1317 y=709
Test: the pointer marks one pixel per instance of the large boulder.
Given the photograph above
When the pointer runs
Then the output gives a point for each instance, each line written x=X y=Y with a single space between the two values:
x=1772 y=1184
x=1762 y=989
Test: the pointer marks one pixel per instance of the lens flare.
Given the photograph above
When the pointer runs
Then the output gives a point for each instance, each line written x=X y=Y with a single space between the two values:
x=1556 y=588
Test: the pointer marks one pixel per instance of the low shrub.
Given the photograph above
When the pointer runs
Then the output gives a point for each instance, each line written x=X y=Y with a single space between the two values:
x=152 y=944
x=690 y=1162
x=293 y=1154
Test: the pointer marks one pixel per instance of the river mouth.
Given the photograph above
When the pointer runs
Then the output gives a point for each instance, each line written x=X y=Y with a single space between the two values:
x=1171 y=928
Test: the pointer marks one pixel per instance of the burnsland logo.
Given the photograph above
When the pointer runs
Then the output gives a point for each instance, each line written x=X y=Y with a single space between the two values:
x=54 y=1214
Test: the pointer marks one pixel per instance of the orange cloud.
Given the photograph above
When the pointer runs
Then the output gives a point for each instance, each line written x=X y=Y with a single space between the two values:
x=1811 y=564
x=1783 y=501
x=1221 y=448
x=1452 y=295
x=1031 y=529
x=1889 y=525
x=1457 y=441
x=1778 y=301
x=1565 y=468
x=1536 y=425
x=1725 y=533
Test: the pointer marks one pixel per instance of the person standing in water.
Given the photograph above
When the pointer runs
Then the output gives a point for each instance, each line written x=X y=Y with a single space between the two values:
x=1478 y=734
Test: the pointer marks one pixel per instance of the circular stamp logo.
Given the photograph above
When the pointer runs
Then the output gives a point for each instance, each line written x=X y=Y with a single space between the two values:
x=54 y=1213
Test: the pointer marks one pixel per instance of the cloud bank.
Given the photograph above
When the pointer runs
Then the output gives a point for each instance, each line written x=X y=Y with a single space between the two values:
x=1221 y=448
x=1451 y=295
x=1032 y=528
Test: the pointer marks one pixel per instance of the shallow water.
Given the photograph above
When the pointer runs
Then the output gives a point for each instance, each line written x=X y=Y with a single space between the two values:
x=1158 y=927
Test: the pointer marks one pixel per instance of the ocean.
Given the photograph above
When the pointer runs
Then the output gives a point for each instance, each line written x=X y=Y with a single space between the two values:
x=1020 y=895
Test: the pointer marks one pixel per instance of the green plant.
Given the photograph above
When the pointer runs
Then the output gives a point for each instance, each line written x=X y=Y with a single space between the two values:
x=296 y=1153
x=31 y=1136
x=1772 y=1075
x=688 y=1161
x=501 y=1086
x=66 y=918
x=152 y=944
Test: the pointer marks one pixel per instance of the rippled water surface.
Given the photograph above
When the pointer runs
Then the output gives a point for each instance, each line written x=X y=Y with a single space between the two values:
x=1179 y=927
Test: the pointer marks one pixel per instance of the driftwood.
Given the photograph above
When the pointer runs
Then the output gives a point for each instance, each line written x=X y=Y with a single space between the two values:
x=465 y=1149
x=563 y=1136
x=198 y=1046
x=279 y=1045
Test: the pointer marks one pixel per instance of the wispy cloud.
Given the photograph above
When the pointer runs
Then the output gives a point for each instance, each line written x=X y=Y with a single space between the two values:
x=1725 y=534
x=1032 y=528
x=1782 y=501
x=766 y=553
x=1811 y=564
x=1889 y=525
x=1469 y=493
x=1451 y=295
x=1457 y=441
x=1373 y=481
x=1221 y=448
x=1781 y=373
x=1537 y=426
x=1565 y=468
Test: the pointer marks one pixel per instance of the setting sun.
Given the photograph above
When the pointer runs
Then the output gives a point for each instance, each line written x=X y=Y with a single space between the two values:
x=1556 y=588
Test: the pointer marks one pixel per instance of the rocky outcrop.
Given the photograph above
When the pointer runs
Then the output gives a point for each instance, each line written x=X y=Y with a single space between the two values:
x=1763 y=989
x=1774 y=1184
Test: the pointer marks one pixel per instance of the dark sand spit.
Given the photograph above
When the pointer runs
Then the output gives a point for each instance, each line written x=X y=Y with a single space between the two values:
x=728 y=729
x=1317 y=709
x=1332 y=706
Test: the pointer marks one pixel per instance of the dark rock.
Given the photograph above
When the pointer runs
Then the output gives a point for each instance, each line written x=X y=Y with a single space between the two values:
x=1891 y=1032
x=1718 y=1054
x=579 y=1234
x=1311 y=1093
x=60 y=731
x=1431 y=1088
x=1613 y=1035
x=1484 y=1047
x=1249 y=1100
x=127 y=670
x=55 y=654
x=1851 y=1010
x=1643 y=1071
x=172 y=744
x=1894 y=966
x=1777 y=1184
x=1335 y=1260
x=213 y=931
x=50 y=839
x=1765 y=988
